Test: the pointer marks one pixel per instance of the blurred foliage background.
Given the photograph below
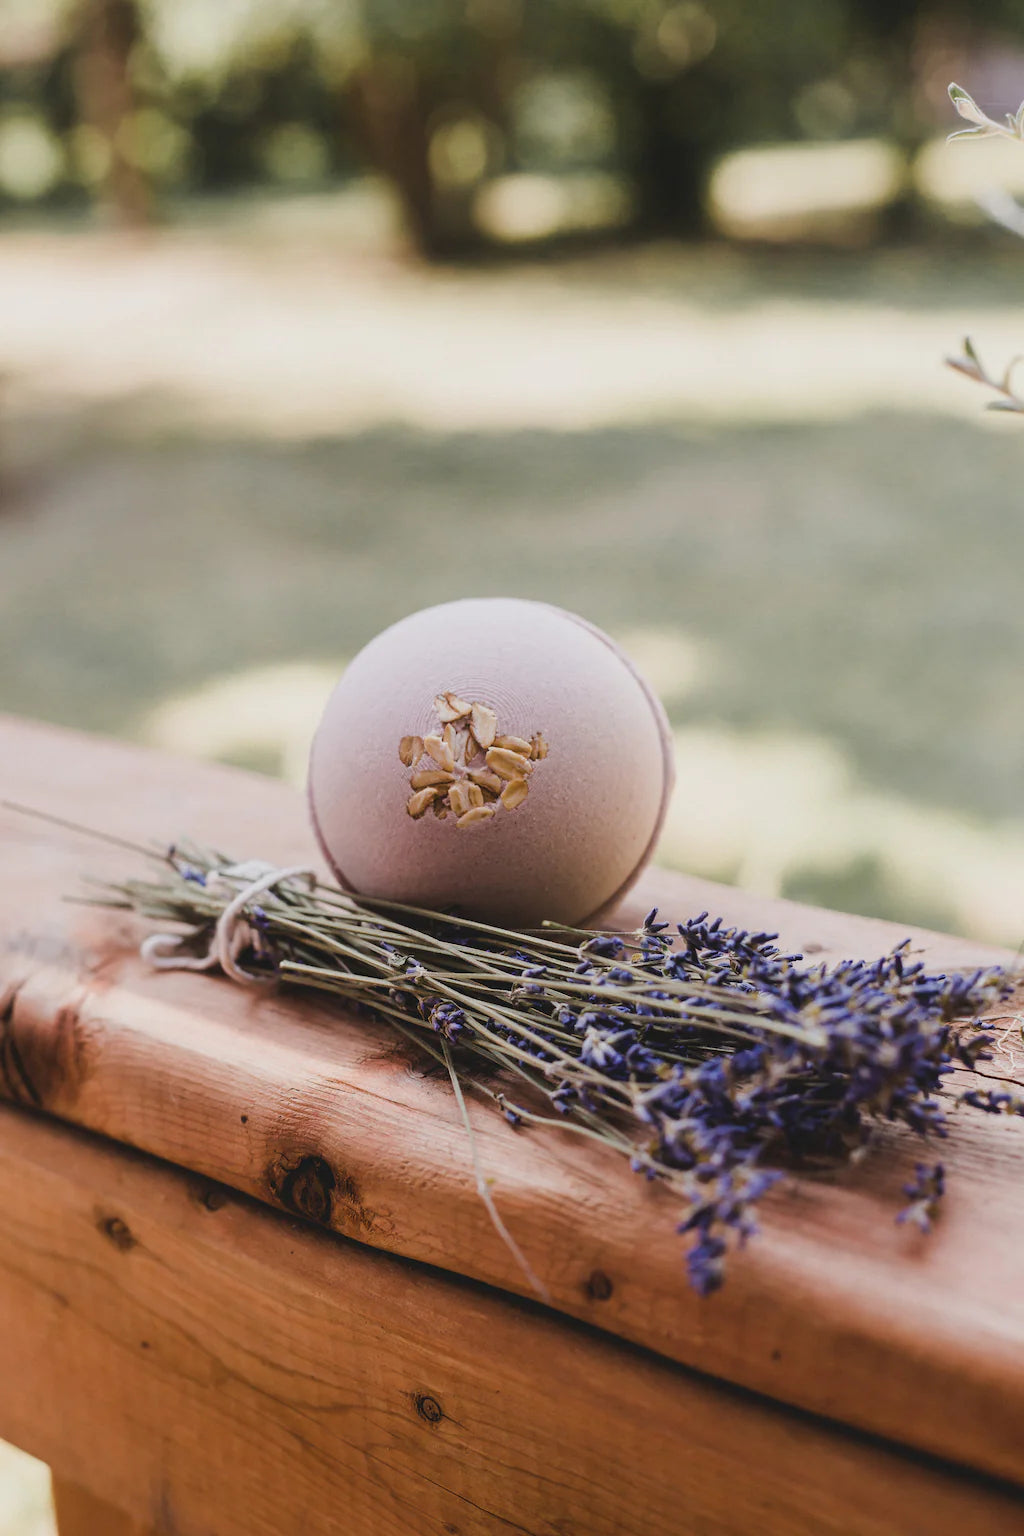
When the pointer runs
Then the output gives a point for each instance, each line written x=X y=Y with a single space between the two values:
x=313 y=312
x=623 y=106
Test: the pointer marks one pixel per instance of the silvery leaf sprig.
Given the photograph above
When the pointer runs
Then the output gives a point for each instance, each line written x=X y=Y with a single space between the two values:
x=699 y=1051
x=1005 y=211
x=983 y=126
x=970 y=364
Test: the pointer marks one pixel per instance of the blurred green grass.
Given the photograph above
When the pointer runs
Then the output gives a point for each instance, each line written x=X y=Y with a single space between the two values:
x=861 y=579
x=236 y=450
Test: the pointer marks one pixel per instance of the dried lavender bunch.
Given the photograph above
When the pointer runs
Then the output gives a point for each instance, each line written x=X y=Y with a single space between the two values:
x=702 y=1052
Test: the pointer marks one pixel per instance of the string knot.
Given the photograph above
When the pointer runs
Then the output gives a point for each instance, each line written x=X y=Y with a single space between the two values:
x=234 y=930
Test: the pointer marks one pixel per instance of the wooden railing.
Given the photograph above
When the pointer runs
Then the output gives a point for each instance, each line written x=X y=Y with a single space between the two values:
x=247 y=1285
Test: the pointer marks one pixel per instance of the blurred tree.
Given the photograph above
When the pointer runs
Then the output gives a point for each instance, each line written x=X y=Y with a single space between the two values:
x=682 y=80
x=445 y=98
x=692 y=79
x=105 y=34
x=428 y=104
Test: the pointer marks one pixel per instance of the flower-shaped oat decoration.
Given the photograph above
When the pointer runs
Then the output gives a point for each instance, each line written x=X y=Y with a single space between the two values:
x=466 y=767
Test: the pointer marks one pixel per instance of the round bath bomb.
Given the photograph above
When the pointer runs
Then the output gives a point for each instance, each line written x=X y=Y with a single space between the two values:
x=495 y=757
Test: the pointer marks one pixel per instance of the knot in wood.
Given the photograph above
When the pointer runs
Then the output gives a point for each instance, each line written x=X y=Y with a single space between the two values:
x=305 y=1185
x=118 y=1232
x=599 y=1287
x=429 y=1408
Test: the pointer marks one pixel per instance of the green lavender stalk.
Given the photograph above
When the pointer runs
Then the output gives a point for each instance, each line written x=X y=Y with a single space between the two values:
x=701 y=1052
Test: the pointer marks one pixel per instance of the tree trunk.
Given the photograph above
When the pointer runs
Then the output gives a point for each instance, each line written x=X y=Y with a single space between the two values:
x=107 y=32
x=388 y=111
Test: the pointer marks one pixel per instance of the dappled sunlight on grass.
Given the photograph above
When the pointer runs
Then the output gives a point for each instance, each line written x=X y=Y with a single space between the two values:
x=784 y=814
x=227 y=335
x=523 y=207
x=262 y=718
x=800 y=190
x=953 y=175
x=674 y=663
x=781 y=813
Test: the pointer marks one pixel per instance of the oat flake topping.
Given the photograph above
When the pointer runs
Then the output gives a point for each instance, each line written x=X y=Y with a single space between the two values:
x=466 y=767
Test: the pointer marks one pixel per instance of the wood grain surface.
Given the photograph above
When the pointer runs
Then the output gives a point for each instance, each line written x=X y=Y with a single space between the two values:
x=833 y=1308
x=81 y=1513
x=195 y=1365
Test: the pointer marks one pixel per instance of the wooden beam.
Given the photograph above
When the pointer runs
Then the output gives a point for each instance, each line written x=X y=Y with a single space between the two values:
x=833 y=1308
x=80 y=1513
x=205 y=1366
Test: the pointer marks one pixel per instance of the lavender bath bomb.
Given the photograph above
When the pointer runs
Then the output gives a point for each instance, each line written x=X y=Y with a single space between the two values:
x=493 y=756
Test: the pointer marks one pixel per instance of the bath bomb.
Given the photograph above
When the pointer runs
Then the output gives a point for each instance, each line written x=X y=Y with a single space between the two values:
x=495 y=757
